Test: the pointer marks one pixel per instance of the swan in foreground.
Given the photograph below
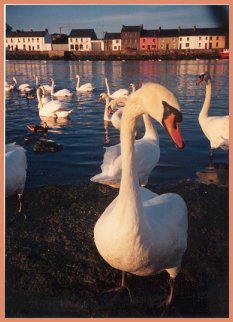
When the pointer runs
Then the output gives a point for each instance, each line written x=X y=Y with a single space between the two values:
x=15 y=171
x=62 y=92
x=85 y=87
x=215 y=128
x=53 y=109
x=141 y=232
x=23 y=87
x=119 y=93
x=147 y=153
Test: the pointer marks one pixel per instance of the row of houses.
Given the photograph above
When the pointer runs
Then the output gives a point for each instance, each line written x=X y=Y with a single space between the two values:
x=131 y=38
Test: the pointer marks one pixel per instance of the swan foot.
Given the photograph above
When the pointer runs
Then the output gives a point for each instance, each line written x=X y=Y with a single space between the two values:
x=120 y=288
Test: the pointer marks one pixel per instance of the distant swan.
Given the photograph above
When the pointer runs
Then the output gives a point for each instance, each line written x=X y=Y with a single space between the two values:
x=23 y=87
x=119 y=93
x=141 y=232
x=85 y=87
x=215 y=128
x=61 y=93
x=15 y=171
x=54 y=109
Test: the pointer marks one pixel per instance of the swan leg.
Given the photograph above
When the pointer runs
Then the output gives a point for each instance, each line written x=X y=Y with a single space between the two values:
x=168 y=300
x=211 y=165
x=20 y=199
x=121 y=287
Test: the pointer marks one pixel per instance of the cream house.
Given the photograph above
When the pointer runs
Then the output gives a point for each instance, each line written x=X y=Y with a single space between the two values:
x=28 y=40
x=81 y=39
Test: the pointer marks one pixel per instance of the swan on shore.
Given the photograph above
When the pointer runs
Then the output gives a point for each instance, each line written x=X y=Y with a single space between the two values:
x=215 y=128
x=140 y=232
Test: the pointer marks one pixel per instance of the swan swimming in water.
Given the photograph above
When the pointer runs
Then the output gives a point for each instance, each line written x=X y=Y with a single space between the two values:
x=215 y=128
x=119 y=93
x=23 y=87
x=141 y=232
x=85 y=87
x=61 y=93
x=53 y=109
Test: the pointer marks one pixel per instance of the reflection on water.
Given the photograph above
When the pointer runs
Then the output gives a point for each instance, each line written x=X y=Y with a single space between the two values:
x=85 y=133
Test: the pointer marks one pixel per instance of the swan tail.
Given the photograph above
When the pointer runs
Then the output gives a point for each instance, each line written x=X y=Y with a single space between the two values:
x=63 y=113
x=112 y=182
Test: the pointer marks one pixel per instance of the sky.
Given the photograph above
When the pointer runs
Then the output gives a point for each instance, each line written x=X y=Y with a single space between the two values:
x=108 y=18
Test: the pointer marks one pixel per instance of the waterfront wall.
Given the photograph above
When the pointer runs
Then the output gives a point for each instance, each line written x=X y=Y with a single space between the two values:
x=107 y=55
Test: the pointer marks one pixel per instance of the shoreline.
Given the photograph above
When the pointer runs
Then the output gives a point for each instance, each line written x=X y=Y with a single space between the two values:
x=53 y=268
x=111 y=56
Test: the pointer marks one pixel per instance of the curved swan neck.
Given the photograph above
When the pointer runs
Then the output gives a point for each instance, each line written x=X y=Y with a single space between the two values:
x=37 y=81
x=206 y=105
x=107 y=86
x=150 y=131
x=40 y=105
x=129 y=179
x=52 y=89
x=78 y=81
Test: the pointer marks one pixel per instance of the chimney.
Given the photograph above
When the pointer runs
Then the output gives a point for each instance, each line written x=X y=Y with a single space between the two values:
x=46 y=30
x=160 y=29
x=179 y=29
x=194 y=28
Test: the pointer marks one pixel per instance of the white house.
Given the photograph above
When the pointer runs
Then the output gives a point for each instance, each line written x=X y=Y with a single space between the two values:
x=112 y=41
x=81 y=39
x=28 y=40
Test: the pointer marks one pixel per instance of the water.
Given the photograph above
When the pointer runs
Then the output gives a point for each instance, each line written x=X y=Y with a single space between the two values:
x=84 y=135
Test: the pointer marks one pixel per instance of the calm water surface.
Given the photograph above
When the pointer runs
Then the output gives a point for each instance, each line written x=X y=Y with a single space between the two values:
x=84 y=135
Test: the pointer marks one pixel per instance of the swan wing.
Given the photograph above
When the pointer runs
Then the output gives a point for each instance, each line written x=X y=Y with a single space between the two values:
x=120 y=93
x=85 y=88
x=216 y=129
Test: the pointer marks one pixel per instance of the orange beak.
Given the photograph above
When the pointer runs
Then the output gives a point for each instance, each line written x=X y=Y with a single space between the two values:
x=173 y=130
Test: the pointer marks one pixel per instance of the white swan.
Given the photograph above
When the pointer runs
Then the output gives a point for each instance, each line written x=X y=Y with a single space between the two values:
x=141 y=232
x=44 y=98
x=15 y=171
x=215 y=128
x=147 y=153
x=107 y=110
x=61 y=93
x=23 y=87
x=119 y=93
x=47 y=88
x=54 y=109
x=85 y=87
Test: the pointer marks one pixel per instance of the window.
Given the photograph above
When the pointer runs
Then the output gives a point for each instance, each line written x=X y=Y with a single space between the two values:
x=143 y=46
x=153 y=40
x=11 y=40
x=38 y=46
x=187 y=44
x=38 y=39
x=187 y=38
x=71 y=46
x=117 y=41
x=153 y=46
x=115 y=47
x=216 y=44
x=24 y=47
x=76 y=47
x=217 y=38
x=81 y=46
x=76 y=39
x=81 y=39
x=28 y=39
x=33 y=48
x=6 y=41
x=86 y=46
x=210 y=37
x=181 y=39
x=32 y=39
x=144 y=40
x=199 y=38
x=206 y=38
x=71 y=39
x=18 y=39
x=23 y=39
x=9 y=46
x=199 y=45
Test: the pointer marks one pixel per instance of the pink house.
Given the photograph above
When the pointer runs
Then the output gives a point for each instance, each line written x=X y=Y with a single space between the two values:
x=149 y=40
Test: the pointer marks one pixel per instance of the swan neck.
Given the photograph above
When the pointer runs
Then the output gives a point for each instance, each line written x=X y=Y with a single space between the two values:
x=150 y=131
x=107 y=86
x=40 y=105
x=52 y=89
x=129 y=180
x=206 y=105
x=78 y=82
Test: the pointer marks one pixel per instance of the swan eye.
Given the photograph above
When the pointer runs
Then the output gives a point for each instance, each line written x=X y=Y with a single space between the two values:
x=168 y=110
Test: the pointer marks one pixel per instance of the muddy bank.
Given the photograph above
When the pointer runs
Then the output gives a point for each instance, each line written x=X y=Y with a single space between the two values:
x=54 y=270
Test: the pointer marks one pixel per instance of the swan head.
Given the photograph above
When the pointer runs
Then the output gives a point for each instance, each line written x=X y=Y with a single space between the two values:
x=132 y=87
x=203 y=77
x=77 y=76
x=161 y=104
x=14 y=79
x=102 y=97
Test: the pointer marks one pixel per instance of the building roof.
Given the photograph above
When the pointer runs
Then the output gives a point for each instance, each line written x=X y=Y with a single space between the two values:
x=17 y=34
x=112 y=35
x=83 y=33
x=168 y=32
x=59 y=39
x=132 y=28
x=149 y=33
x=201 y=32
